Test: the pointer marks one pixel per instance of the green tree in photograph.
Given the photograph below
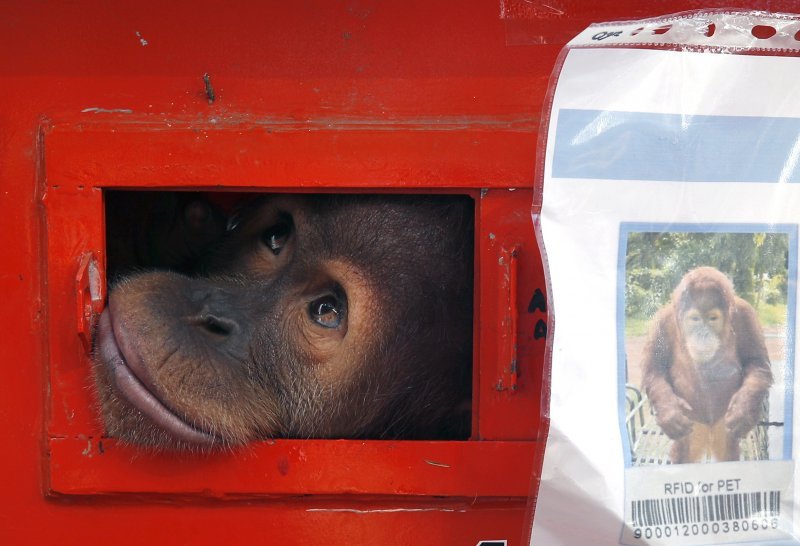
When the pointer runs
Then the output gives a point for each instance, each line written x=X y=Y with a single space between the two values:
x=757 y=263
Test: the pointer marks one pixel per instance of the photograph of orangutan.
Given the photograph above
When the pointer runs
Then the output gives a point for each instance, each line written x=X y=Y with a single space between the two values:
x=707 y=317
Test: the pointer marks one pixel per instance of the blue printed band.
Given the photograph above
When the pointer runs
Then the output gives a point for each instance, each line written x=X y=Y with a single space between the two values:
x=602 y=144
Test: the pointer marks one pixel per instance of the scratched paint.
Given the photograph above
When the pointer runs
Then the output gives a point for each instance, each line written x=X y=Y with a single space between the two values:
x=384 y=510
x=98 y=110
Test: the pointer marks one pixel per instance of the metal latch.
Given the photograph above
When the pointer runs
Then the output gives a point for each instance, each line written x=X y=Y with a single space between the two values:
x=509 y=261
x=89 y=297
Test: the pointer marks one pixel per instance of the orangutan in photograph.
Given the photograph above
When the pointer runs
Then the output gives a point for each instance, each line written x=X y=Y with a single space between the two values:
x=705 y=368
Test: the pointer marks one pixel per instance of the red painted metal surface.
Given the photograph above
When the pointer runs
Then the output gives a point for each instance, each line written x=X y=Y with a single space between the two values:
x=81 y=160
x=315 y=96
x=86 y=466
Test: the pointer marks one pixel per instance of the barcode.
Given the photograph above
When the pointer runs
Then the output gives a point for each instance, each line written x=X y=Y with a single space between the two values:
x=709 y=508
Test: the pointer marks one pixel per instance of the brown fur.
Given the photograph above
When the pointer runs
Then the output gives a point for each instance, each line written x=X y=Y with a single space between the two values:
x=235 y=355
x=706 y=407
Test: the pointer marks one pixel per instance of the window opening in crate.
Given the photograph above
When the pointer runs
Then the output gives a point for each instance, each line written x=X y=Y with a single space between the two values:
x=235 y=317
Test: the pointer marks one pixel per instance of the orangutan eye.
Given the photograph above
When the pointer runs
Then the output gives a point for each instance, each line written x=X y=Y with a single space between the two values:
x=275 y=238
x=327 y=311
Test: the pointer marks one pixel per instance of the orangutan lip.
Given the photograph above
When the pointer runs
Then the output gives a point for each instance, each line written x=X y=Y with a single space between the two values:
x=128 y=385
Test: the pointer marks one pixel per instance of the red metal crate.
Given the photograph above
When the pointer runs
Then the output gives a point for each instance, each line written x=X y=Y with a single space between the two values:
x=322 y=96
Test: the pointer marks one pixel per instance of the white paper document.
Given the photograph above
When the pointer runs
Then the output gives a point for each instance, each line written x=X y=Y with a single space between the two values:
x=669 y=217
